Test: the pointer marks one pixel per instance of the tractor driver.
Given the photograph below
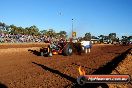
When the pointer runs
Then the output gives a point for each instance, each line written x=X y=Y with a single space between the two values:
x=61 y=43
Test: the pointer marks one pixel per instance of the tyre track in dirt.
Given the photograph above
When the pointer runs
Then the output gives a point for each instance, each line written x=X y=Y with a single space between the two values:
x=106 y=69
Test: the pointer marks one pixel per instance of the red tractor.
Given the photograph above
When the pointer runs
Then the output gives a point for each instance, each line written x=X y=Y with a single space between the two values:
x=66 y=48
x=63 y=48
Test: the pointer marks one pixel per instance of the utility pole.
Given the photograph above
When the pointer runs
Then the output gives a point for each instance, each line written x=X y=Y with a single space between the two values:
x=72 y=28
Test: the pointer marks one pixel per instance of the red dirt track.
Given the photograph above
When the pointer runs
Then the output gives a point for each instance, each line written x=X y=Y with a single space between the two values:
x=20 y=68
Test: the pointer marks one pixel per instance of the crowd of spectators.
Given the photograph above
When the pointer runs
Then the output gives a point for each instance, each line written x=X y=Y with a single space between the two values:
x=19 y=38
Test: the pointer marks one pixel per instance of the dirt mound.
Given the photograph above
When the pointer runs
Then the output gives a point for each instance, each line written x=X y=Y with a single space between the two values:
x=124 y=67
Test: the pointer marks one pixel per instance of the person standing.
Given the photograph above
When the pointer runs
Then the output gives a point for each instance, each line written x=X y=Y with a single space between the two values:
x=86 y=46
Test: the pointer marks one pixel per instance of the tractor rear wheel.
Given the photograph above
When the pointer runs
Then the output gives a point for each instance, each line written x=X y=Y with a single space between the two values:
x=68 y=50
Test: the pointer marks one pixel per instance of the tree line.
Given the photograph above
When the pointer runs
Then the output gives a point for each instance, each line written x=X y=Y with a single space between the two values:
x=110 y=38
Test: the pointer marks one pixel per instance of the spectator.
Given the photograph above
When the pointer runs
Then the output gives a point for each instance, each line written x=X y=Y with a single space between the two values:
x=86 y=46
